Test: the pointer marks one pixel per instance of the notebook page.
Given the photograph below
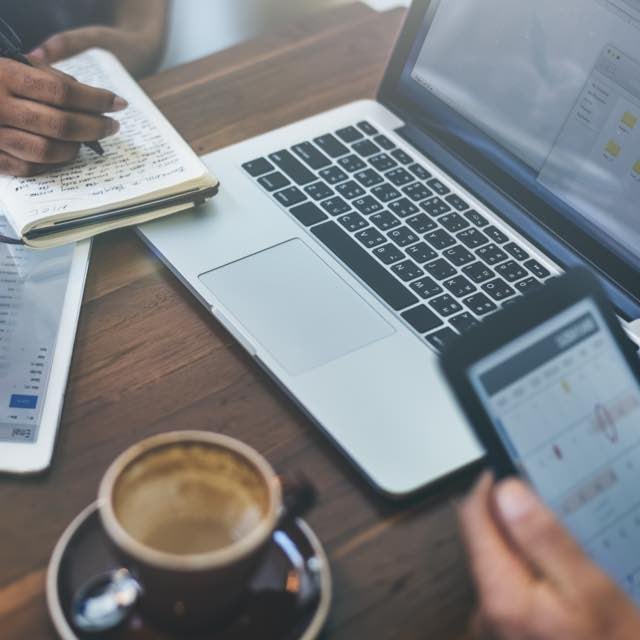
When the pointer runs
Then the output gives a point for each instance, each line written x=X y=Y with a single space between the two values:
x=147 y=155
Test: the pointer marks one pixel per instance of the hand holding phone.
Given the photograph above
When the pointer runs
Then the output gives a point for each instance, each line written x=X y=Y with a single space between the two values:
x=552 y=389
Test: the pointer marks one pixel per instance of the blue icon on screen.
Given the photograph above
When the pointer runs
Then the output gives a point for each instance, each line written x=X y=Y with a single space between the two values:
x=23 y=402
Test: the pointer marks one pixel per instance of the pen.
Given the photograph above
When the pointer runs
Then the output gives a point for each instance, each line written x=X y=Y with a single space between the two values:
x=11 y=47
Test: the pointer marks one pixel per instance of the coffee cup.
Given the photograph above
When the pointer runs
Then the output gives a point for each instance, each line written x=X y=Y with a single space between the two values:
x=190 y=514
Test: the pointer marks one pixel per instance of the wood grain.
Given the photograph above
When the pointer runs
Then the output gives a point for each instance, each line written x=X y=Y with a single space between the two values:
x=149 y=359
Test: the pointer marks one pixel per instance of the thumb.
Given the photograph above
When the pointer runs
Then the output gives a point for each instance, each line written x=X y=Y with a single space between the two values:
x=66 y=44
x=540 y=537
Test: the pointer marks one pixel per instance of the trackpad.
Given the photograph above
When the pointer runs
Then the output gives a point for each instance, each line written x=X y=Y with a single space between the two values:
x=296 y=307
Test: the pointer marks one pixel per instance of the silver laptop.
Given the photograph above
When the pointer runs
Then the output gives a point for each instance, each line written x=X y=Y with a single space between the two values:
x=345 y=251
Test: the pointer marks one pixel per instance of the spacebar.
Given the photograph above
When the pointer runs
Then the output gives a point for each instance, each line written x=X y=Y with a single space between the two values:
x=364 y=266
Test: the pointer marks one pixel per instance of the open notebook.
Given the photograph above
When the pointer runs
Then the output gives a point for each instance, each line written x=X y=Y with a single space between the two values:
x=148 y=171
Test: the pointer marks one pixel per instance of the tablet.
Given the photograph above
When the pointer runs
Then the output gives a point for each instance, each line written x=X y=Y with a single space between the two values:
x=40 y=298
x=552 y=388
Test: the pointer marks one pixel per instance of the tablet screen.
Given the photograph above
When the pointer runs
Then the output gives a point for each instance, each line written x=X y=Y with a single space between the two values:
x=566 y=406
x=32 y=294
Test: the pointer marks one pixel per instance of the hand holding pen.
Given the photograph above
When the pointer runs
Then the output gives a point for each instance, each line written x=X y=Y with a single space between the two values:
x=46 y=115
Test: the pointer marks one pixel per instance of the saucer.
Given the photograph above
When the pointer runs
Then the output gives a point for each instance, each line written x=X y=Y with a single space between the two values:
x=288 y=599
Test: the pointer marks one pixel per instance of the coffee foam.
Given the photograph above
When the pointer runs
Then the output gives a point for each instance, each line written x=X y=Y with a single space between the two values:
x=190 y=498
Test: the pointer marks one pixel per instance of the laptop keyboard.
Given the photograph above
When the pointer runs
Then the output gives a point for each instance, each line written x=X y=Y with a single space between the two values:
x=421 y=247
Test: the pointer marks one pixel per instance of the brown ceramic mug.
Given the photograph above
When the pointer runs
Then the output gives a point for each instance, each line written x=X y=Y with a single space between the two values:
x=190 y=513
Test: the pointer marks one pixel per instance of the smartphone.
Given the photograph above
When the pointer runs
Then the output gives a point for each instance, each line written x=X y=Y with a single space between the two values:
x=551 y=385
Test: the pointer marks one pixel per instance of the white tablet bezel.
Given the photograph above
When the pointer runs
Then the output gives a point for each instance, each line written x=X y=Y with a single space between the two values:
x=35 y=457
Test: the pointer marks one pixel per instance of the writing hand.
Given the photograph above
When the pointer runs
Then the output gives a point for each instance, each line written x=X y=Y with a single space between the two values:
x=45 y=115
x=534 y=582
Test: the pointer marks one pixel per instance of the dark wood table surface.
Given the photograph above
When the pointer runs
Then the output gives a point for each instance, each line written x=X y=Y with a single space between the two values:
x=149 y=359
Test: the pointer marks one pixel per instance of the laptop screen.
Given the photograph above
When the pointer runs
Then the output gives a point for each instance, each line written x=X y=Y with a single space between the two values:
x=550 y=92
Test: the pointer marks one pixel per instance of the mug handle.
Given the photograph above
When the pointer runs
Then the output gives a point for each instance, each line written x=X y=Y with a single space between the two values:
x=299 y=496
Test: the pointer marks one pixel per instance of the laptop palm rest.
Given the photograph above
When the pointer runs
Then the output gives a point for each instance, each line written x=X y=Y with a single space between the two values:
x=294 y=306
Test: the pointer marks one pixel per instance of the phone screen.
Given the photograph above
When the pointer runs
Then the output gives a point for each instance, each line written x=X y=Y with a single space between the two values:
x=566 y=406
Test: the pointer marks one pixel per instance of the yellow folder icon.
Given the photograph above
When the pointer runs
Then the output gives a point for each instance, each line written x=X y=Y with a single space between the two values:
x=636 y=167
x=629 y=120
x=613 y=148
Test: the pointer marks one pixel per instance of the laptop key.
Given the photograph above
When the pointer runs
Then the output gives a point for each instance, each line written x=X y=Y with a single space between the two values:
x=440 y=339
x=310 y=154
x=349 y=135
x=440 y=239
x=274 y=181
x=464 y=322
x=258 y=167
x=496 y=235
x=366 y=148
x=511 y=271
x=368 y=178
x=421 y=253
x=389 y=254
x=353 y=222
x=439 y=187
x=308 y=214
x=335 y=206
x=407 y=270
x=385 y=221
x=331 y=146
x=292 y=167
x=476 y=218
x=459 y=256
x=453 y=222
x=401 y=156
x=399 y=177
x=290 y=196
x=426 y=288
x=516 y=251
x=498 y=289
x=537 y=269
x=445 y=305
x=384 y=142
x=371 y=272
x=318 y=191
x=480 y=304
x=422 y=319
x=457 y=202
x=472 y=238
x=382 y=162
x=491 y=254
x=403 y=207
x=350 y=190
x=440 y=269
x=367 y=205
x=417 y=192
x=403 y=237
x=526 y=285
x=368 y=128
x=419 y=172
x=385 y=193
x=435 y=207
x=333 y=175
x=351 y=163
x=459 y=286
x=478 y=272
x=371 y=238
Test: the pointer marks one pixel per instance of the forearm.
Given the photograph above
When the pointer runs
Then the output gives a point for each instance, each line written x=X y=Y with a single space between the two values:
x=146 y=21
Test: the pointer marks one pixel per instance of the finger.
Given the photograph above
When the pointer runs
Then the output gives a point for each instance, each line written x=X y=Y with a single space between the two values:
x=11 y=166
x=54 y=123
x=42 y=85
x=494 y=564
x=67 y=43
x=540 y=538
x=33 y=148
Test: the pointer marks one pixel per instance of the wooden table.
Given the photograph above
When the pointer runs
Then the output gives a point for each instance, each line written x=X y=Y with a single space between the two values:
x=149 y=359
